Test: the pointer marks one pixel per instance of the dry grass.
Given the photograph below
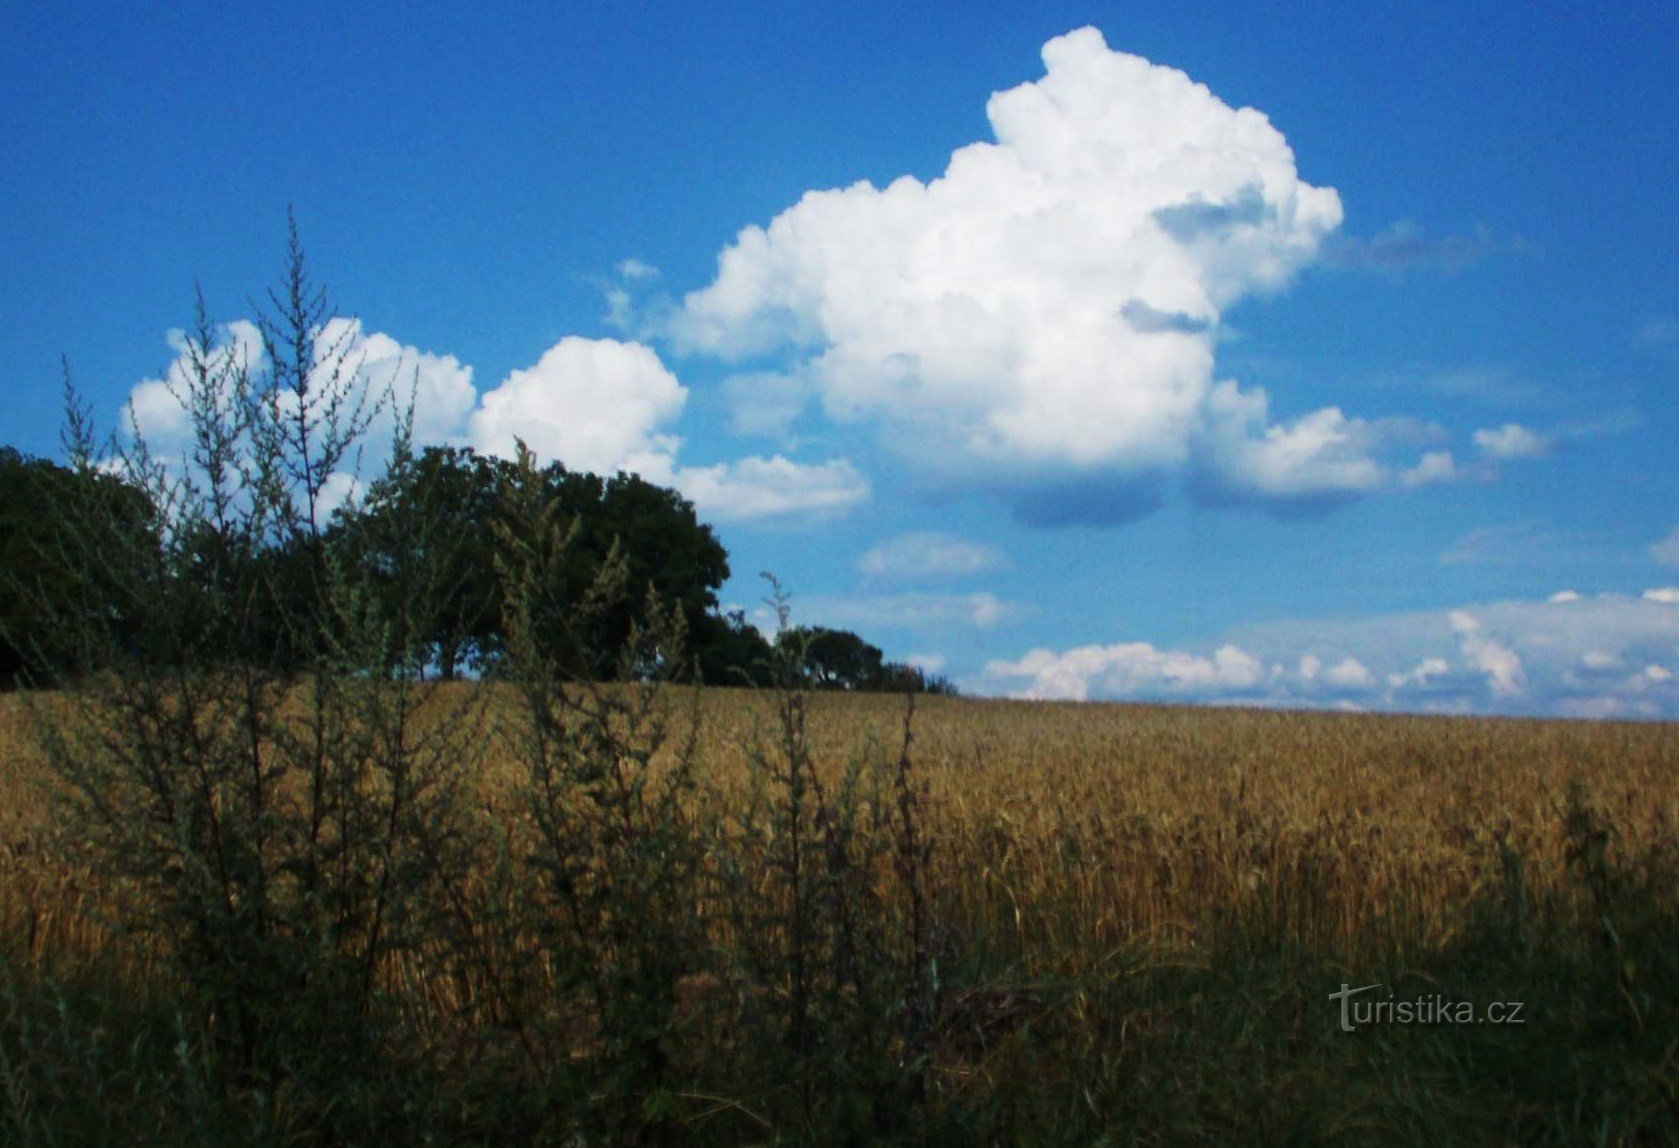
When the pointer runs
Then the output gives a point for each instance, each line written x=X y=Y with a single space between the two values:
x=1090 y=828
x=1138 y=911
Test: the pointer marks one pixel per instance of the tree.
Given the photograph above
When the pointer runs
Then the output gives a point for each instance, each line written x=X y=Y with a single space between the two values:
x=841 y=660
x=730 y=651
x=836 y=659
x=664 y=548
x=455 y=489
x=42 y=599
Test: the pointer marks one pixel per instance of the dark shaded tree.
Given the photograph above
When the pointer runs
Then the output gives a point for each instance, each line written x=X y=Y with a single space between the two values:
x=841 y=660
x=455 y=489
x=835 y=659
x=730 y=651
x=664 y=548
x=47 y=597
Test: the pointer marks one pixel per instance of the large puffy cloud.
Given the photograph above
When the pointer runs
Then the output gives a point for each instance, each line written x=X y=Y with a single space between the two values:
x=368 y=376
x=595 y=404
x=157 y=408
x=1042 y=317
x=604 y=405
x=396 y=378
x=1602 y=655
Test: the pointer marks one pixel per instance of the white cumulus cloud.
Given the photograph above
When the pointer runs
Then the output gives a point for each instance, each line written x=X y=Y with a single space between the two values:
x=603 y=405
x=157 y=408
x=1042 y=317
x=1128 y=669
x=1502 y=665
x=593 y=404
x=599 y=405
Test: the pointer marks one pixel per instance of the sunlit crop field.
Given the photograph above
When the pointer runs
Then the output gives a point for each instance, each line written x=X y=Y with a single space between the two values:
x=1143 y=908
x=1079 y=828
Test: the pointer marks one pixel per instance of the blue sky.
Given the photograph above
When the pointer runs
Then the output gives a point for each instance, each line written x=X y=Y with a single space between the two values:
x=1187 y=352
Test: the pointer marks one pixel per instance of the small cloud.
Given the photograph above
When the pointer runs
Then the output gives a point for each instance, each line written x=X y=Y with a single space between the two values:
x=1421 y=674
x=635 y=270
x=1405 y=245
x=1663 y=594
x=1562 y=596
x=927 y=663
x=634 y=305
x=980 y=611
x=1667 y=550
x=769 y=487
x=1322 y=458
x=925 y=557
x=1349 y=674
x=338 y=489
x=1435 y=466
x=1502 y=666
x=1512 y=441
x=1502 y=544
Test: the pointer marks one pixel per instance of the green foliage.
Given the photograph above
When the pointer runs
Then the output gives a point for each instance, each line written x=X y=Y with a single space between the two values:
x=662 y=547
x=841 y=660
x=243 y=750
x=454 y=489
x=839 y=984
x=613 y=872
x=46 y=593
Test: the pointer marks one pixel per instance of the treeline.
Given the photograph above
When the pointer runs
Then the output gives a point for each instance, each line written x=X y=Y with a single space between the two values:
x=67 y=534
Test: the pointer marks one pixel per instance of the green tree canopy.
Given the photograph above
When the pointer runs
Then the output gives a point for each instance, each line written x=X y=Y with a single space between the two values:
x=665 y=549
x=47 y=592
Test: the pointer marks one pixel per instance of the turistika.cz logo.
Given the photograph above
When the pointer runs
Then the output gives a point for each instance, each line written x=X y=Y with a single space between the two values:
x=1358 y=1010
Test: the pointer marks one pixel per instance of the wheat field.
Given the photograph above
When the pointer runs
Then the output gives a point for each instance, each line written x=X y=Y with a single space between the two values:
x=1117 y=848
x=1085 y=827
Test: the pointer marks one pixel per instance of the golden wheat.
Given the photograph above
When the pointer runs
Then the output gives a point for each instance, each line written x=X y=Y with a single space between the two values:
x=1079 y=830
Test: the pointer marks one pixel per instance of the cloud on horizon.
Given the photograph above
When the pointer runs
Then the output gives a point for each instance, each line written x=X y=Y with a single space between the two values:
x=1603 y=656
